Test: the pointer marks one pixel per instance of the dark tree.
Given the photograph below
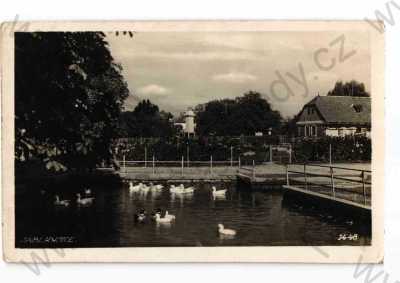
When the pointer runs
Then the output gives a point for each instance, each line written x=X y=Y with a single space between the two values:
x=68 y=97
x=352 y=88
x=243 y=115
x=146 y=120
x=289 y=126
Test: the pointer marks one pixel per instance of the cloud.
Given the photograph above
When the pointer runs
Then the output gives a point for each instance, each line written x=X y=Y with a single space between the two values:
x=189 y=55
x=234 y=77
x=153 y=89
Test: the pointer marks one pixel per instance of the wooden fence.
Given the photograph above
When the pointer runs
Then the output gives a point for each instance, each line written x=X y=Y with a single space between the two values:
x=337 y=182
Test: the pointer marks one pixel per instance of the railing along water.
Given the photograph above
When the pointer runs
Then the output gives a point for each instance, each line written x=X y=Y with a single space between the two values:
x=338 y=182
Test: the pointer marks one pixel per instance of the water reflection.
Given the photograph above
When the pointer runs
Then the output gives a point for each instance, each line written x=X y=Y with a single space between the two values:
x=259 y=218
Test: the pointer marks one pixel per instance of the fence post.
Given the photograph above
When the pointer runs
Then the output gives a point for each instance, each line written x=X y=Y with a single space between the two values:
x=239 y=162
x=270 y=153
x=290 y=153
x=153 y=165
x=182 y=166
x=187 y=155
x=363 y=186
x=332 y=182
x=330 y=154
x=145 y=156
x=124 y=163
x=287 y=175
x=305 y=176
x=231 y=156
x=211 y=159
x=254 y=169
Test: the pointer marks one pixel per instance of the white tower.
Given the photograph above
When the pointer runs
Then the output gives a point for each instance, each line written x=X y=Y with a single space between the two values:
x=189 y=121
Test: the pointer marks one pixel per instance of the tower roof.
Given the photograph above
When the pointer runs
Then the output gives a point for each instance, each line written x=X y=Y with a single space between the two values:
x=189 y=113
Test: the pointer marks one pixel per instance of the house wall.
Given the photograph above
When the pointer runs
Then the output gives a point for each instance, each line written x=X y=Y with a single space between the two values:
x=310 y=130
x=311 y=124
x=319 y=130
x=347 y=131
x=309 y=113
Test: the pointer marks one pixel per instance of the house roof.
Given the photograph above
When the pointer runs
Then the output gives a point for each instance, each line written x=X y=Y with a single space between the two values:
x=341 y=109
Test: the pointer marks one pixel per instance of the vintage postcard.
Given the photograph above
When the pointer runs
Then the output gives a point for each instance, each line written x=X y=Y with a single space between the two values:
x=193 y=141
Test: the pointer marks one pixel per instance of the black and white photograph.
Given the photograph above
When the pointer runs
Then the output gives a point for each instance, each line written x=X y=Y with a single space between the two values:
x=130 y=138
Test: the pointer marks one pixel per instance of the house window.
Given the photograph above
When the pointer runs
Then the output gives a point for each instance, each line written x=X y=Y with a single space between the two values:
x=358 y=108
x=315 y=131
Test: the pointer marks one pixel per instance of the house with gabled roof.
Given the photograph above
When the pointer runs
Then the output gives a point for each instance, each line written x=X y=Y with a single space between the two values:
x=335 y=116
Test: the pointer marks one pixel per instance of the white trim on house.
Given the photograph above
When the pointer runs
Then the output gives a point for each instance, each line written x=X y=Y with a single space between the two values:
x=310 y=122
x=345 y=131
x=310 y=130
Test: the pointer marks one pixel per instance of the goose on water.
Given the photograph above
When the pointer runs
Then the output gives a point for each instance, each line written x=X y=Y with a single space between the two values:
x=170 y=216
x=182 y=190
x=84 y=201
x=162 y=220
x=141 y=216
x=157 y=187
x=218 y=193
x=154 y=214
x=59 y=202
x=224 y=231
x=173 y=189
x=144 y=189
x=136 y=188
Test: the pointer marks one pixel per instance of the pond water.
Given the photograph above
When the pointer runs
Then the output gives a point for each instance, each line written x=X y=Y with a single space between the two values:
x=262 y=218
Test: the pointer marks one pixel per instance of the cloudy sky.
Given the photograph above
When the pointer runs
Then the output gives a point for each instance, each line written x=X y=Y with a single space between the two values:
x=177 y=70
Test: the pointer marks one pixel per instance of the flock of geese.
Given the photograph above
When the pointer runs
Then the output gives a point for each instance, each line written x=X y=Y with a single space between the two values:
x=85 y=200
x=175 y=190
x=168 y=218
x=178 y=190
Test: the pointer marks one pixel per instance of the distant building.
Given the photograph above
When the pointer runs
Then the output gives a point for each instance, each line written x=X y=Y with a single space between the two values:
x=335 y=116
x=190 y=126
x=185 y=123
x=180 y=126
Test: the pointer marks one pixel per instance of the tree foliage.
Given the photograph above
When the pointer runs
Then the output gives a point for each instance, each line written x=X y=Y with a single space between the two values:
x=146 y=120
x=68 y=97
x=352 y=88
x=243 y=115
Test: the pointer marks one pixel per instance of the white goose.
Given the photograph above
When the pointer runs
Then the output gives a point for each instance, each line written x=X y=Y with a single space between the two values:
x=136 y=188
x=88 y=192
x=59 y=202
x=84 y=201
x=173 y=189
x=225 y=232
x=218 y=193
x=162 y=220
x=158 y=187
x=171 y=216
x=144 y=189
x=155 y=187
x=182 y=190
